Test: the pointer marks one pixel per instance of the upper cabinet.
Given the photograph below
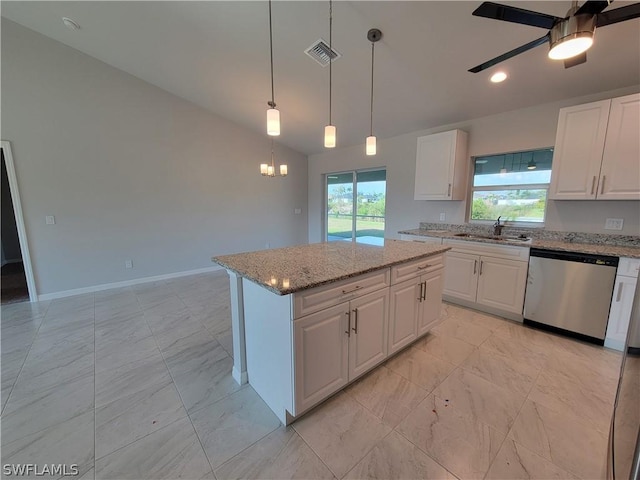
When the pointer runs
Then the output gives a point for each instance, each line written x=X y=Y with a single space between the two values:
x=597 y=151
x=442 y=166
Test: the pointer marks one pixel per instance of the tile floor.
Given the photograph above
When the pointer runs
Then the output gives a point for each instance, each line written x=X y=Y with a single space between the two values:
x=135 y=383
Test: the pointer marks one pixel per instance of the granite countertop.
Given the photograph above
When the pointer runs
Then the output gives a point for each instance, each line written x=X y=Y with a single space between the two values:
x=601 y=248
x=292 y=269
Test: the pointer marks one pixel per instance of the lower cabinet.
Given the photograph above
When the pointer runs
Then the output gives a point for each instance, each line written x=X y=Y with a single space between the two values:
x=415 y=307
x=622 y=303
x=498 y=283
x=338 y=344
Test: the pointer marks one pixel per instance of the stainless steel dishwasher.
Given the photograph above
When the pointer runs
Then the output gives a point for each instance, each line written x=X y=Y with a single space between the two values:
x=570 y=293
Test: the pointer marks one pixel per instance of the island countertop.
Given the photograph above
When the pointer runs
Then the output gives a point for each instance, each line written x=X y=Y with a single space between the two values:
x=293 y=269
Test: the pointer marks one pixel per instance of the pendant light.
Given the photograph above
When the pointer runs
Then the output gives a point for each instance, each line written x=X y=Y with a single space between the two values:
x=330 y=130
x=269 y=170
x=373 y=35
x=273 y=115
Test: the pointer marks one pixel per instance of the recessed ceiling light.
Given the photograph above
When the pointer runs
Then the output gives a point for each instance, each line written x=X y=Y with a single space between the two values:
x=70 y=24
x=498 y=77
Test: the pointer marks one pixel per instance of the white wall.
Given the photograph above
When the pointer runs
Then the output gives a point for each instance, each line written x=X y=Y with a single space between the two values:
x=518 y=130
x=132 y=172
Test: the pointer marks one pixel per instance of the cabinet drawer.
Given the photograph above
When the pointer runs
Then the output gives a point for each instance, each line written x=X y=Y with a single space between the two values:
x=629 y=267
x=512 y=252
x=319 y=298
x=421 y=239
x=410 y=270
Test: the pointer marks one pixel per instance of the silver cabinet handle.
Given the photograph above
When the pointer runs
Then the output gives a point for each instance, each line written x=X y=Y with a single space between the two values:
x=481 y=262
x=420 y=296
x=604 y=177
x=593 y=185
x=475 y=266
x=424 y=290
x=348 y=332
x=358 y=287
x=449 y=191
x=355 y=330
x=619 y=292
x=426 y=266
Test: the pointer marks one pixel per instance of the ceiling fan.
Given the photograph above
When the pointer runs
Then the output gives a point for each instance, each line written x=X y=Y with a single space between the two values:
x=568 y=37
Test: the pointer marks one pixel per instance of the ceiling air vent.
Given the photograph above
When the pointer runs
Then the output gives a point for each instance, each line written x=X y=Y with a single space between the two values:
x=321 y=53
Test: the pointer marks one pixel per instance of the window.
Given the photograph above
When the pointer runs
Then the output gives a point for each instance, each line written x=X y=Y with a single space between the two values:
x=364 y=190
x=513 y=186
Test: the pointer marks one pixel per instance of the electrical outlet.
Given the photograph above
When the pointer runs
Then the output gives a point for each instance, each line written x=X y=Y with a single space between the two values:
x=267 y=245
x=50 y=220
x=128 y=263
x=443 y=217
x=297 y=211
x=613 y=223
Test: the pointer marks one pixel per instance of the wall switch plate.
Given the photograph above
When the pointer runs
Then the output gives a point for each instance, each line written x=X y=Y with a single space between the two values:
x=267 y=245
x=613 y=223
x=443 y=217
x=128 y=264
x=50 y=220
x=297 y=211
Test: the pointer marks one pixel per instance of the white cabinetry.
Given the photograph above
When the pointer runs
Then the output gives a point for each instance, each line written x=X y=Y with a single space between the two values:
x=421 y=239
x=442 y=166
x=336 y=345
x=622 y=303
x=597 y=150
x=415 y=301
x=486 y=276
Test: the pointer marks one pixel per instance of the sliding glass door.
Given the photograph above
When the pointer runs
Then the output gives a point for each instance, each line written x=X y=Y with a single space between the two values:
x=356 y=206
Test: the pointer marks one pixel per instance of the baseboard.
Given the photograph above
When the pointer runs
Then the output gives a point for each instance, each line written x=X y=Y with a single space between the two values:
x=482 y=308
x=126 y=283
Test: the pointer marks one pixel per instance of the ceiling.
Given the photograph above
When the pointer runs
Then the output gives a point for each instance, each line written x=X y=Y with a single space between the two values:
x=216 y=55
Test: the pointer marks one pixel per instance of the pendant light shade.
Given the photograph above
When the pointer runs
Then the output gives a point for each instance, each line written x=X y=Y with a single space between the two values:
x=373 y=36
x=273 y=122
x=330 y=130
x=572 y=36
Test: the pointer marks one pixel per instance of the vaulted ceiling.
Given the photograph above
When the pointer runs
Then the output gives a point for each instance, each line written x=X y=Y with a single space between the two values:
x=216 y=54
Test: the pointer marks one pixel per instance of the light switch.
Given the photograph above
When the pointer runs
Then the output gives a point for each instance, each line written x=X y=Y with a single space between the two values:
x=297 y=211
x=443 y=217
x=614 y=224
x=128 y=263
x=50 y=220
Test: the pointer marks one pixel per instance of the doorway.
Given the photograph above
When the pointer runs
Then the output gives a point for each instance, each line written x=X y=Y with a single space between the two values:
x=17 y=284
x=356 y=206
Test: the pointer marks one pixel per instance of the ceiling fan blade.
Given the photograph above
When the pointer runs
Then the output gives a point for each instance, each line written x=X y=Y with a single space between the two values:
x=592 y=7
x=515 y=15
x=512 y=53
x=618 y=15
x=577 y=60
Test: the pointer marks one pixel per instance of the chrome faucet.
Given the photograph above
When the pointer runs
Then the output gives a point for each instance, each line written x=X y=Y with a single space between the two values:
x=497 y=227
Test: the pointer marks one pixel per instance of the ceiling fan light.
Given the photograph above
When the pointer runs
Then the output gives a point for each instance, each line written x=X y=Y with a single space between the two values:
x=330 y=136
x=273 y=122
x=498 y=77
x=572 y=37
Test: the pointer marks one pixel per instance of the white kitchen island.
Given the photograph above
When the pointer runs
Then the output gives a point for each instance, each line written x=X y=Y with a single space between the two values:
x=310 y=319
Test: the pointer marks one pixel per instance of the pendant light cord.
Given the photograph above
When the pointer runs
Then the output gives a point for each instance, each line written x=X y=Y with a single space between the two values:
x=330 y=53
x=272 y=104
x=373 y=45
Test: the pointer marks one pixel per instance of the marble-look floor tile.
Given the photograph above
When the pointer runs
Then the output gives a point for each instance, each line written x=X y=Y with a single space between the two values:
x=397 y=458
x=226 y=341
x=536 y=340
x=516 y=349
x=68 y=443
x=462 y=330
x=485 y=320
x=15 y=313
x=170 y=453
x=387 y=395
x=202 y=373
x=117 y=352
x=77 y=305
x=446 y=348
x=461 y=444
x=515 y=462
x=165 y=306
x=564 y=394
x=30 y=413
x=182 y=337
x=232 y=424
x=506 y=372
x=127 y=327
x=137 y=414
x=280 y=455
x=420 y=368
x=476 y=397
x=568 y=441
x=601 y=376
x=341 y=432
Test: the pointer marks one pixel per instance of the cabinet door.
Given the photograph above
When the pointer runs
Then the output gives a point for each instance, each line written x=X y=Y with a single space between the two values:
x=369 y=327
x=403 y=313
x=578 y=151
x=620 y=312
x=432 y=303
x=501 y=283
x=435 y=159
x=321 y=355
x=461 y=275
x=620 y=174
